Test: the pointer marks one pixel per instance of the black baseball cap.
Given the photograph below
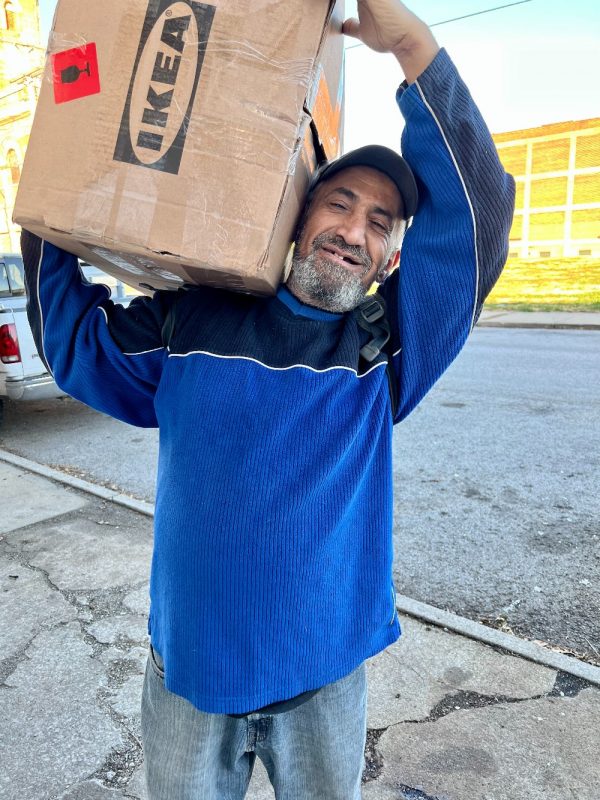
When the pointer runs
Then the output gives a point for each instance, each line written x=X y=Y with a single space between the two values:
x=383 y=159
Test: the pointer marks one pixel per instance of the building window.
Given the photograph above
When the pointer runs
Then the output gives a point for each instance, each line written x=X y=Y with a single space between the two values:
x=585 y=224
x=548 y=192
x=12 y=10
x=551 y=156
x=547 y=226
x=13 y=165
x=587 y=187
x=588 y=151
x=513 y=254
x=545 y=253
x=585 y=252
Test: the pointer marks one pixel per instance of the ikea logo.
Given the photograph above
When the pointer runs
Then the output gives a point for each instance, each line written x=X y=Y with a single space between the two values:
x=164 y=84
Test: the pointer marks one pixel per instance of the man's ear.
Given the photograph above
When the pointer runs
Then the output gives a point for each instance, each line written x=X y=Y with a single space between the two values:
x=388 y=268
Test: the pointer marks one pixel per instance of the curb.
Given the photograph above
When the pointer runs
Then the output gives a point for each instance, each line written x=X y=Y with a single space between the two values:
x=550 y=320
x=406 y=605
x=554 y=326
x=77 y=483
x=506 y=641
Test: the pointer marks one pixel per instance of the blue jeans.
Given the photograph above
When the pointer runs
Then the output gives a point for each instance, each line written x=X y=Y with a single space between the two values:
x=313 y=752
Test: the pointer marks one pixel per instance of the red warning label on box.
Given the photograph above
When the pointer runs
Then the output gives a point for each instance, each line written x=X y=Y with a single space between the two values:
x=75 y=73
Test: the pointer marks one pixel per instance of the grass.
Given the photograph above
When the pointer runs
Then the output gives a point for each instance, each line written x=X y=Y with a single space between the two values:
x=558 y=284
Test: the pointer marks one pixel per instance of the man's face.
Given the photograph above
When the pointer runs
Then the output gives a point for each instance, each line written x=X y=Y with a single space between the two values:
x=344 y=243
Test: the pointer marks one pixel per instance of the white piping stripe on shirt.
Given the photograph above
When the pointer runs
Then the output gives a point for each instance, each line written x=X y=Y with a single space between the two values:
x=431 y=111
x=275 y=369
x=39 y=302
x=144 y=352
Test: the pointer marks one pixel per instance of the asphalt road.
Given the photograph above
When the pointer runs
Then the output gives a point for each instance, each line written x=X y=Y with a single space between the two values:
x=496 y=473
x=497 y=506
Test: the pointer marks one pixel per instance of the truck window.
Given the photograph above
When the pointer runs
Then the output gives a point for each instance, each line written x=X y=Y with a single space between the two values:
x=16 y=278
x=12 y=281
x=4 y=286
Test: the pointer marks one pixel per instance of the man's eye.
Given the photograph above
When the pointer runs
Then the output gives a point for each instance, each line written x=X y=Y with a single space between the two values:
x=380 y=226
x=338 y=205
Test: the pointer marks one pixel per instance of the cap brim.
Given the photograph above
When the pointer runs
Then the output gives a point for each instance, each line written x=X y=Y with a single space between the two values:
x=384 y=160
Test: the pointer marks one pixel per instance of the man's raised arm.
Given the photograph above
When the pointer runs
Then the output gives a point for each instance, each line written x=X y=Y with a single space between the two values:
x=457 y=244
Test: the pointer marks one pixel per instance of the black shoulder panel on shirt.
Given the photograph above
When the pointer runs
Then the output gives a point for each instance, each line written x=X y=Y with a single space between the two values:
x=31 y=250
x=224 y=323
x=137 y=327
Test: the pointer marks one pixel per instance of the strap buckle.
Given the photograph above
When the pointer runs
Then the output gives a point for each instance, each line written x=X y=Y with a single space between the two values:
x=371 y=309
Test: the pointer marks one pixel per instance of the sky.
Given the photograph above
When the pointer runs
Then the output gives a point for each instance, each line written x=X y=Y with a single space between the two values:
x=528 y=65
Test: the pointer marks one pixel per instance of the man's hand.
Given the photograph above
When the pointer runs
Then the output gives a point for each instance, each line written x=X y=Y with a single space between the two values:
x=387 y=26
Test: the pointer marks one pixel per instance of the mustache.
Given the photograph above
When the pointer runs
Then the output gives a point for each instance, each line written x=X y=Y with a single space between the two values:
x=356 y=252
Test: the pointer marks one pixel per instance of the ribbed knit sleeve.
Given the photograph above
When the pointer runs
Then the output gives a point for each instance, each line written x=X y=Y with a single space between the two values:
x=455 y=249
x=103 y=354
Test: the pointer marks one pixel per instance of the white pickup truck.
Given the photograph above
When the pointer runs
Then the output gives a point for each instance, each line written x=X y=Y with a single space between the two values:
x=23 y=375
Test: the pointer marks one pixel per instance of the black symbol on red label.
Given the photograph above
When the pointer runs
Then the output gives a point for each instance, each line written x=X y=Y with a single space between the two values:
x=75 y=73
x=72 y=73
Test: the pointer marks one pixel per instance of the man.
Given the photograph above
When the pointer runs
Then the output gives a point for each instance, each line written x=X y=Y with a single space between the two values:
x=272 y=569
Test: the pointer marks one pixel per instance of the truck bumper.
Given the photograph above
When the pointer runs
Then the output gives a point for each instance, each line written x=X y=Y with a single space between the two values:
x=40 y=387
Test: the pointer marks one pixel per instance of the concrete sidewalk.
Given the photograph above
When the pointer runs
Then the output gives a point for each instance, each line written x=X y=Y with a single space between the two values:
x=450 y=718
x=579 y=320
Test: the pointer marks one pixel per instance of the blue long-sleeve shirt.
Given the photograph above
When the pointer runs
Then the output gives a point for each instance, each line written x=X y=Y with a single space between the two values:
x=272 y=564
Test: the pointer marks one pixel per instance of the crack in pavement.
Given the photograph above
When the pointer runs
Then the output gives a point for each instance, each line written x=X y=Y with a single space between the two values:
x=99 y=604
x=408 y=793
x=71 y=599
x=18 y=557
x=373 y=758
x=120 y=764
x=10 y=664
x=565 y=686
x=463 y=700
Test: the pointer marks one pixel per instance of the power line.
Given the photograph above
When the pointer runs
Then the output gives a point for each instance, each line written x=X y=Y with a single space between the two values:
x=478 y=13
x=455 y=19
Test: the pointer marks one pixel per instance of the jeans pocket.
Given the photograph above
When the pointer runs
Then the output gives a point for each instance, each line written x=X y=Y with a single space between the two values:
x=157 y=664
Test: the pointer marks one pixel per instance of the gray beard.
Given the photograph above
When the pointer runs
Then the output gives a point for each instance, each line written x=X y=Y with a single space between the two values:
x=327 y=285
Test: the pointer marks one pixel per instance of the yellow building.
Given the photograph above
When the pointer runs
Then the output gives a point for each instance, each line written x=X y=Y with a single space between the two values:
x=21 y=63
x=557 y=170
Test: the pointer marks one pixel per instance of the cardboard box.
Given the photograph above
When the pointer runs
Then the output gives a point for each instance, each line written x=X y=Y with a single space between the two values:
x=174 y=140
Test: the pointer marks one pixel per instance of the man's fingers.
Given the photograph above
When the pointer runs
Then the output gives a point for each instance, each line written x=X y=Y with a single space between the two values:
x=351 y=27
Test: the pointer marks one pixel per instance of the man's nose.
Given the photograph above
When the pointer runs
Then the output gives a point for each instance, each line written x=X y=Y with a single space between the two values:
x=352 y=229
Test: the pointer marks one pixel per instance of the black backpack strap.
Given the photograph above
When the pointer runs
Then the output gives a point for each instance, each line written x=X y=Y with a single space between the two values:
x=168 y=326
x=371 y=317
